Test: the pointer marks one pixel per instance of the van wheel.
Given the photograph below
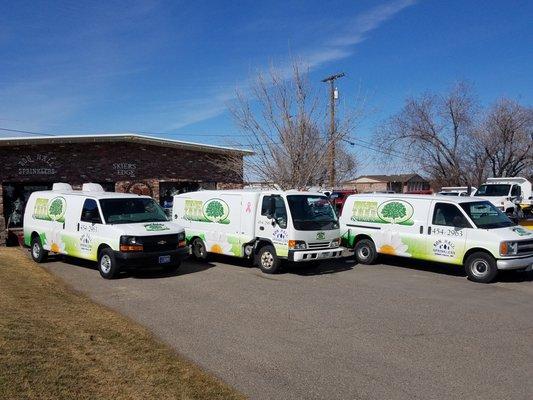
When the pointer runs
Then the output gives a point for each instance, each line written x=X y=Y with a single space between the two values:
x=199 y=251
x=365 y=251
x=481 y=267
x=268 y=260
x=107 y=265
x=38 y=253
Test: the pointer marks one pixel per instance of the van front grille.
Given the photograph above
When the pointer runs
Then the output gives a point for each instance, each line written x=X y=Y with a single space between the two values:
x=525 y=247
x=318 y=245
x=159 y=242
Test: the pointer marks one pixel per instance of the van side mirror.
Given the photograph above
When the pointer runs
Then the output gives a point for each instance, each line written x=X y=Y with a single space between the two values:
x=459 y=222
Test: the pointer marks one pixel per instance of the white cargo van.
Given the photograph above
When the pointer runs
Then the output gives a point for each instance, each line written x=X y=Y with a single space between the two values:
x=456 y=230
x=115 y=229
x=265 y=226
x=506 y=193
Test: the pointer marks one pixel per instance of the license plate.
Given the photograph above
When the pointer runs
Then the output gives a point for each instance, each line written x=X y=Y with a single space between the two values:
x=324 y=255
x=164 y=259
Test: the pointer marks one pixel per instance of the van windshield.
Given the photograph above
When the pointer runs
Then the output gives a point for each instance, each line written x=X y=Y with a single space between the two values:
x=493 y=190
x=311 y=213
x=131 y=210
x=486 y=216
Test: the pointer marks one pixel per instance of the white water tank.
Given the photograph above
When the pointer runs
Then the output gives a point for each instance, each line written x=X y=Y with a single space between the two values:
x=92 y=187
x=61 y=187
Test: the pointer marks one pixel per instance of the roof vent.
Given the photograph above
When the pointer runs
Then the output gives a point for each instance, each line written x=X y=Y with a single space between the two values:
x=61 y=187
x=92 y=187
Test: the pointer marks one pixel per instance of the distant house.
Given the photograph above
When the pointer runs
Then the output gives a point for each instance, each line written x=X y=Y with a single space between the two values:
x=395 y=183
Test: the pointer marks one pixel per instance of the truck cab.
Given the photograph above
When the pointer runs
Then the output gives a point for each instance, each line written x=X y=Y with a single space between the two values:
x=507 y=193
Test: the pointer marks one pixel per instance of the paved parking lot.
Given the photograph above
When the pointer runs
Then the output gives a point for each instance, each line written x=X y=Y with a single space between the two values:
x=337 y=331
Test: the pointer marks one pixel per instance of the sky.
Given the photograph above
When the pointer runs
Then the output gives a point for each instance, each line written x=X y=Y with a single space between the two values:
x=171 y=68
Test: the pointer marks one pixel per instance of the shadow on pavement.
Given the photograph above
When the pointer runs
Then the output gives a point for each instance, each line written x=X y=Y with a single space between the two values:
x=314 y=268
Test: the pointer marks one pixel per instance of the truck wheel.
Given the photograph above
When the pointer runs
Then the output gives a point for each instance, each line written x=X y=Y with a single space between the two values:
x=107 y=265
x=199 y=251
x=38 y=253
x=365 y=251
x=267 y=259
x=481 y=267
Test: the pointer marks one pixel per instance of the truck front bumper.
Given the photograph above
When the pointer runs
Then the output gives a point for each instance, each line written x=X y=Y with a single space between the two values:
x=151 y=259
x=515 y=263
x=315 y=255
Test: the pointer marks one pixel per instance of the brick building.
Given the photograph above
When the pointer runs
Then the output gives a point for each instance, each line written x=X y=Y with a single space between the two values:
x=388 y=183
x=123 y=162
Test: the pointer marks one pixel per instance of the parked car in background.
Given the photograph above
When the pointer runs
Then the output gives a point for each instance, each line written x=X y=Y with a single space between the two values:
x=338 y=197
x=264 y=226
x=114 y=229
x=508 y=194
x=465 y=231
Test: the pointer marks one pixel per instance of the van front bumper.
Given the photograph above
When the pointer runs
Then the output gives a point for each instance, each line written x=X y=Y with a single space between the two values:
x=315 y=255
x=150 y=259
x=515 y=263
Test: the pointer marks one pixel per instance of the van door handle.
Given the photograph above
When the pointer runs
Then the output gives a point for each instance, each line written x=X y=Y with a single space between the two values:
x=429 y=230
x=421 y=228
x=261 y=228
x=78 y=226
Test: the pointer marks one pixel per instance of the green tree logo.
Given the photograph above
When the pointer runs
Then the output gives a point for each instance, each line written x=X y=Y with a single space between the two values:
x=216 y=210
x=395 y=211
x=56 y=209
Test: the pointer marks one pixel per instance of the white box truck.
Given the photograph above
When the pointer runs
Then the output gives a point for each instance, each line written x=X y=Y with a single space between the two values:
x=114 y=229
x=264 y=226
x=507 y=193
x=466 y=231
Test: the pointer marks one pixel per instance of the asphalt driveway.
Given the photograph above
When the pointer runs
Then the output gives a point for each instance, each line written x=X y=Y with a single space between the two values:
x=337 y=331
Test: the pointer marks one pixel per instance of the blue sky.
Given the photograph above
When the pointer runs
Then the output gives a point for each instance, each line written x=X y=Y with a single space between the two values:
x=71 y=67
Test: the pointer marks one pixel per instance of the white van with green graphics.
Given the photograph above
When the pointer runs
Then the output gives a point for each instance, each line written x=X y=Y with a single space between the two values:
x=456 y=230
x=115 y=229
x=264 y=226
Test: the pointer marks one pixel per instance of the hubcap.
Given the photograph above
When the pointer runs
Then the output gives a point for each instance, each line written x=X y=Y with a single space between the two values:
x=36 y=250
x=105 y=264
x=267 y=260
x=480 y=268
x=363 y=253
x=198 y=249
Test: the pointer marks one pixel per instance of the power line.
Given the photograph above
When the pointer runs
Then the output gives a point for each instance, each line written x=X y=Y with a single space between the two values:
x=27 y=132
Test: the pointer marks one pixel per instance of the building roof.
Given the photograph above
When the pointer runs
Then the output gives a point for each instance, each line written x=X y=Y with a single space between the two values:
x=390 y=178
x=119 y=137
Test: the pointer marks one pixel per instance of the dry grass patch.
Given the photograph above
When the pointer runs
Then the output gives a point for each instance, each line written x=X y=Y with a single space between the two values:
x=57 y=344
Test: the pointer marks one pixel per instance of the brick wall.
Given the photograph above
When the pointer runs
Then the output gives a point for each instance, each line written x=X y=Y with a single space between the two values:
x=133 y=167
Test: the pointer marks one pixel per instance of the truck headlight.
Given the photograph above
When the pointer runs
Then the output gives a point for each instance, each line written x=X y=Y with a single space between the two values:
x=297 y=245
x=335 y=242
x=181 y=239
x=508 y=248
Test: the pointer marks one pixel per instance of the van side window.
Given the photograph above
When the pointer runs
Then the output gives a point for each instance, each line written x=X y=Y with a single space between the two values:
x=90 y=213
x=516 y=191
x=446 y=214
x=280 y=211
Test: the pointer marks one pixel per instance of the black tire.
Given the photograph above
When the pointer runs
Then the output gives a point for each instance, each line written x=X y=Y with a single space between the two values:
x=481 y=267
x=267 y=259
x=365 y=251
x=107 y=264
x=38 y=253
x=198 y=249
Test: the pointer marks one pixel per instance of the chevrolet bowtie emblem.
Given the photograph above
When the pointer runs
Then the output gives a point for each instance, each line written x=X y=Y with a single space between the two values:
x=162 y=242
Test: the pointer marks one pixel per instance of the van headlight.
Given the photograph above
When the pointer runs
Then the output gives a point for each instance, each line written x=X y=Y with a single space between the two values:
x=130 y=243
x=335 y=242
x=508 y=248
x=297 y=245
x=181 y=240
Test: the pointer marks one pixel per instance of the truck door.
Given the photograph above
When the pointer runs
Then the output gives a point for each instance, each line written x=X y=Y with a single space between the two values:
x=446 y=233
x=89 y=230
x=272 y=221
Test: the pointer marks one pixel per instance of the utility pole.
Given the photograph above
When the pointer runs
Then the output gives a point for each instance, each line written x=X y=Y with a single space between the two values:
x=331 y=151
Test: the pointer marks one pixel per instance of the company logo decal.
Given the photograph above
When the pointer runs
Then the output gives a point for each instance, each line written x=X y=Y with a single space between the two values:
x=216 y=210
x=320 y=235
x=155 y=227
x=280 y=235
x=521 y=231
x=50 y=210
x=388 y=212
x=85 y=243
x=444 y=248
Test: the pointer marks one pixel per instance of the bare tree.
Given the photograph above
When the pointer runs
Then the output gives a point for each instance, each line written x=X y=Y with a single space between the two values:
x=436 y=133
x=505 y=137
x=283 y=122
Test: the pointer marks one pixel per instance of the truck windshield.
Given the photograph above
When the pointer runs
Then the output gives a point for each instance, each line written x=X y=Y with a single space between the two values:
x=311 y=213
x=493 y=190
x=486 y=216
x=131 y=210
